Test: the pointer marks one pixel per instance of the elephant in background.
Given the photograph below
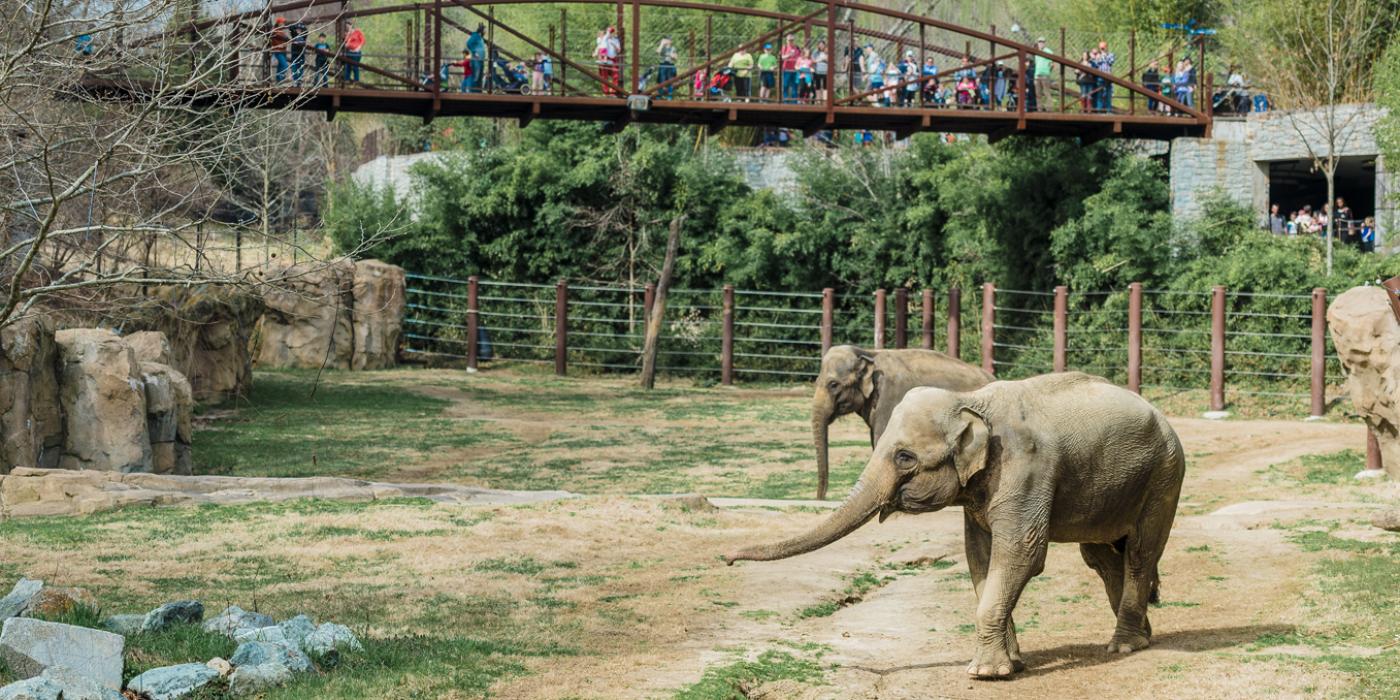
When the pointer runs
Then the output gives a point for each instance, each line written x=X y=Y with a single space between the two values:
x=872 y=382
x=1055 y=458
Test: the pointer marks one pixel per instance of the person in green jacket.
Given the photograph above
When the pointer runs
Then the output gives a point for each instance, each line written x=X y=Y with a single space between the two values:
x=1043 y=66
x=742 y=64
x=767 y=71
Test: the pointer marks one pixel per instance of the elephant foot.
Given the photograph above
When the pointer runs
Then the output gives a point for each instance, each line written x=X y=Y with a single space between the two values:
x=1127 y=643
x=992 y=662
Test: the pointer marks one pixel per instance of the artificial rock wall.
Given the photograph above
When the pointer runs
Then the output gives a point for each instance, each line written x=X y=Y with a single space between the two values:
x=346 y=315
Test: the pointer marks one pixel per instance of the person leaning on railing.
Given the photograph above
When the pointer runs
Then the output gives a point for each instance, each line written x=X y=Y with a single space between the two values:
x=354 y=43
x=277 y=46
x=666 y=67
x=742 y=65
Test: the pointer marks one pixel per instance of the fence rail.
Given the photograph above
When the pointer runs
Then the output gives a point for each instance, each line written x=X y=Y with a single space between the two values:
x=1243 y=343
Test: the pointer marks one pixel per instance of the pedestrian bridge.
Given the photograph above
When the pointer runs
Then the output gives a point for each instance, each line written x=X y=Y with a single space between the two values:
x=933 y=75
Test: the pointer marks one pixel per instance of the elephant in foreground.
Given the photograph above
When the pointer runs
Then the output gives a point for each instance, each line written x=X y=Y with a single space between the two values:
x=1056 y=458
x=872 y=382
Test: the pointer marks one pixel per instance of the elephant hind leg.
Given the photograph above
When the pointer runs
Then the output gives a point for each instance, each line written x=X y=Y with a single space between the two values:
x=1140 y=580
x=1107 y=561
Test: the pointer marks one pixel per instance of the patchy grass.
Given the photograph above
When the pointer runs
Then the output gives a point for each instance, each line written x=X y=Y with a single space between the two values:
x=733 y=681
x=1336 y=468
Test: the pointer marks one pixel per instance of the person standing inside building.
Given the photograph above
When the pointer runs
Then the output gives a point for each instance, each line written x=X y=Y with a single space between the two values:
x=1368 y=235
x=354 y=45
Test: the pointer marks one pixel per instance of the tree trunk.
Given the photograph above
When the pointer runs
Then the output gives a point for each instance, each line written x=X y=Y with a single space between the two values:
x=658 y=307
x=1331 y=204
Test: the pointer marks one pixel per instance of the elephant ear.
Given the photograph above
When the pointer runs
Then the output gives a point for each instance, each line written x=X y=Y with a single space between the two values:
x=970 y=455
x=869 y=376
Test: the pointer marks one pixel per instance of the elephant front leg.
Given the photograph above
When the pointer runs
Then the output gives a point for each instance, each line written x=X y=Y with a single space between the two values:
x=977 y=543
x=1012 y=564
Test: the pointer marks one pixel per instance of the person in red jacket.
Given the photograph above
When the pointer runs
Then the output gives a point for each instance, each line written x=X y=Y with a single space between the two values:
x=354 y=42
x=277 y=46
x=789 y=56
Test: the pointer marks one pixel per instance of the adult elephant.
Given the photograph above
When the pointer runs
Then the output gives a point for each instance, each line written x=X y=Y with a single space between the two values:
x=1055 y=458
x=871 y=383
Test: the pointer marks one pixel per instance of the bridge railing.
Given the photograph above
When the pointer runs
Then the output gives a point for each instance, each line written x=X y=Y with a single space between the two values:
x=874 y=56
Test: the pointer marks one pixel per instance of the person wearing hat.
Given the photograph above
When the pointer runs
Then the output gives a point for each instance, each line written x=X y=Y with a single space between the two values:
x=909 y=75
x=1043 y=67
x=767 y=72
x=277 y=46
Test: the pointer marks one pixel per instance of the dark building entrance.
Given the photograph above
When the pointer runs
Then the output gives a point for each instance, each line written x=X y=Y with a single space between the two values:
x=1294 y=184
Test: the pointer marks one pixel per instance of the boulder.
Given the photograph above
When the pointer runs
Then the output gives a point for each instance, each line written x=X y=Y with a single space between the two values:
x=209 y=331
x=177 y=612
x=169 y=418
x=331 y=637
x=31 y=420
x=150 y=346
x=17 y=601
x=295 y=630
x=30 y=646
x=220 y=666
x=250 y=679
x=1367 y=338
x=262 y=653
x=379 y=302
x=74 y=685
x=104 y=403
x=234 y=618
x=37 y=688
x=308 y=320
x=171 y=682
x=125 y=625
x=273 y=634
x=1387 y=520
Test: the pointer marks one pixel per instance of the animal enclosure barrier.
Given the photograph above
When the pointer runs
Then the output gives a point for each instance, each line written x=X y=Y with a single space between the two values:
x=1235 y=343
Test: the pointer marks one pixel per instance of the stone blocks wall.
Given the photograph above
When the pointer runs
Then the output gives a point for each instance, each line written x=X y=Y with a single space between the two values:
x=31 y=419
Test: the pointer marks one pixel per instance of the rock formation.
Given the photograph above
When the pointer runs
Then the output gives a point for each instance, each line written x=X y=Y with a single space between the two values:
x=1367 y=338
x=169 y=418
x=308 y=321
x=209 y=332
x=104 y=403
x=31 y=421
x=378 y=314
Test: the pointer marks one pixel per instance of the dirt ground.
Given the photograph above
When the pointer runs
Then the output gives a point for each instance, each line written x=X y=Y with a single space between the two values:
x=623 y=596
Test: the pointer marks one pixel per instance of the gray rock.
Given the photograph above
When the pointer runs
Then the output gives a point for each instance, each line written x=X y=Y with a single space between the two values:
x=171 y=682
x=31 y=646
x=73 y=685
x=39 y=688
x=264 y=634
x=125 y=625
x=17 y=601
x=1387 y=520
x=297 y=629
x=260 y=653
x=186 y=611
x=250 y=679
x=330 y=637
x=234 y=618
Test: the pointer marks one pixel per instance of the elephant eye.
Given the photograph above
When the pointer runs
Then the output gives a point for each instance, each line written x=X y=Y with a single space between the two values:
x=833 y=384
x=904 y=459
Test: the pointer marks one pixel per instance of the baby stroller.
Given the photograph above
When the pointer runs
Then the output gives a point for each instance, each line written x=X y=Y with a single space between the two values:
x=721 y=81
x=510 y=79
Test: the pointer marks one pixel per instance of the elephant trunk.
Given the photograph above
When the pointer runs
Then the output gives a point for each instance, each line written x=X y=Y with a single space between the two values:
x=873 y=490
x=821 y=424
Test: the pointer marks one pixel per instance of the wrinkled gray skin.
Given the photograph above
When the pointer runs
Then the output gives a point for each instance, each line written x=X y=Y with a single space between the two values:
x=872 y=382
x=1055 y=458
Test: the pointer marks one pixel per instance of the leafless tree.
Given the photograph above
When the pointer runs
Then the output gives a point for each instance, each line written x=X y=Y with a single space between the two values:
x=115 y=118
x=1315 y=60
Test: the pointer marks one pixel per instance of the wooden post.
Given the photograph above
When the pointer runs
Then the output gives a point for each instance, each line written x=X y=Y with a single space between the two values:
x=561 y=328
x=1319 y=351
x=648 y=298
x=636 y=46
x=955 y=322
x=621 y=61
x=727 y=340
x=828 y=309
x=1373 y=450
x=1061 y=320
x=1064 y=56
x=1217 y=349
x=989 y=301
x=651 y=340
x=1132 y=67
x=831 y=61
x=1135 y=337
x=879 y=341
x=927 y=310
x=901 y=318
x=472 y=321
x=437 y=55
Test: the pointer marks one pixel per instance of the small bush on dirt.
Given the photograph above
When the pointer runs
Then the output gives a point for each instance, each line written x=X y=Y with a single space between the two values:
x=733 y=681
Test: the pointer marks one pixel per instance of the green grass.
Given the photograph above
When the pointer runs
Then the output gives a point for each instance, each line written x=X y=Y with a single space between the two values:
x=731 y=681
x=1335 y=468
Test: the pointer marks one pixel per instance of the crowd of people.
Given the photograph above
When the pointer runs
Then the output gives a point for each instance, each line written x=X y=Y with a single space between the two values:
x=1340 y=220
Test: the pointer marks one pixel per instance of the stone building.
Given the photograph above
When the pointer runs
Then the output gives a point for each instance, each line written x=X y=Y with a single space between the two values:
x=1265 y=159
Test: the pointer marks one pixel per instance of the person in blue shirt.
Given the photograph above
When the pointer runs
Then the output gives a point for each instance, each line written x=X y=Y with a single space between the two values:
x=1368 y=235
x=476 y=46
x=323 y=60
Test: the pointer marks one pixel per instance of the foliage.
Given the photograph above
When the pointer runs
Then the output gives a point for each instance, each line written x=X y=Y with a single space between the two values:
x=1387 y=88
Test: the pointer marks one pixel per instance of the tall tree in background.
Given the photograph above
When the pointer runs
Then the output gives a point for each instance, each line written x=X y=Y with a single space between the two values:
x=1315 y=60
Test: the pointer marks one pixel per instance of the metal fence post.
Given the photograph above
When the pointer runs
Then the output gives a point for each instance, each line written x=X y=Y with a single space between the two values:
x=879 y=319
x=1319 y=351
x=828 y=309
x=1217 y=349
x=561 y=328
x=989 y=301
x=955 y=322
x=472 y=321
x=1135 y=337
x=901 y=318
x=927 y=310
x=727 y=337
x=1061 y=318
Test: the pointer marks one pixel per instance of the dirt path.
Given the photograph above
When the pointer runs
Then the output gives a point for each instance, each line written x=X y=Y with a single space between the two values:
x=1227 y=582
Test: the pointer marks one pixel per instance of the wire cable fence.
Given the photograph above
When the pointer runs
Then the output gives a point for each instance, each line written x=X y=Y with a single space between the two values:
x=1237 y=344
